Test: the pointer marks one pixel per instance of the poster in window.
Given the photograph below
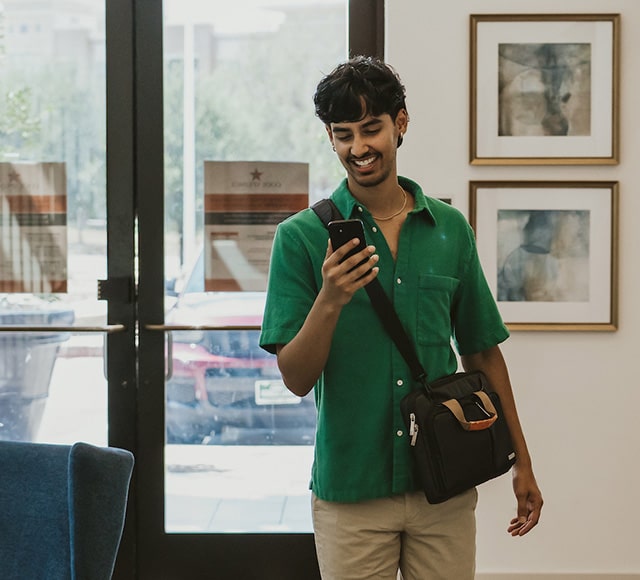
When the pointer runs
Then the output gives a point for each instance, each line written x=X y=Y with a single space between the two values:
x=33 y=227
x=243 y=204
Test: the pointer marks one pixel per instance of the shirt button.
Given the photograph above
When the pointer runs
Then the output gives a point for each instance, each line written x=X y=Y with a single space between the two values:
x=360 y=209
x=399 y=433
x=374 y=229
x=399 y=382
x=399 y=280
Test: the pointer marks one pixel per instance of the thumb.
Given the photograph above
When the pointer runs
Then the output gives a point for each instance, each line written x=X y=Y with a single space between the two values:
x=329 y=249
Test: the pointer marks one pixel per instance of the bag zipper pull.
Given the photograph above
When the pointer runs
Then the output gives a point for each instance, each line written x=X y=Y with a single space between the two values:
x=413 y=429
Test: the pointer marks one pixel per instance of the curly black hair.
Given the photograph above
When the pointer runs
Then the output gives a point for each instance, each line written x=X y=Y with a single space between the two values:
x=361 y=86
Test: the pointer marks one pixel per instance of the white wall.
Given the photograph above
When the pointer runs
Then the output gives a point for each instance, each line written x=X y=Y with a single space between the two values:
x=577 y=392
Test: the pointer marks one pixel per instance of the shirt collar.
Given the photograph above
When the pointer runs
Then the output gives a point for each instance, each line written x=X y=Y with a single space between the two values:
x=348 y=205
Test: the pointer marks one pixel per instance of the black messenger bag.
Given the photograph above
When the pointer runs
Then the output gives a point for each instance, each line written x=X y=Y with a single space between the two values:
x=458 y=434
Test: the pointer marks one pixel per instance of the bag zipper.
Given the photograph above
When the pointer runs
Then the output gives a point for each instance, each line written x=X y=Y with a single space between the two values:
x=413 y=429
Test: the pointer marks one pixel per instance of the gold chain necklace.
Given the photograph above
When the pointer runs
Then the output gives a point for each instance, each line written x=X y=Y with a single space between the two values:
x=390 y=217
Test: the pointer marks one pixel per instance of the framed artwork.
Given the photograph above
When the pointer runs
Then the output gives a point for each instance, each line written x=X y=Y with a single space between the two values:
x=544 y=89
x=549 y=251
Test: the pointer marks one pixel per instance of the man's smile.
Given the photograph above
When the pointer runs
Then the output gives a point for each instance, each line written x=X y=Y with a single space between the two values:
x=365 y=162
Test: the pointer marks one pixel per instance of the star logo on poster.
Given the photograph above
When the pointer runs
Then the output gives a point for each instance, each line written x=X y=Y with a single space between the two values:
x=14 y=178
x=256 y=175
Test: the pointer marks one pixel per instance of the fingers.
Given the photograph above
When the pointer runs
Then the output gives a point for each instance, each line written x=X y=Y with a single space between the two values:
x=359 y=266
x=517 y=526
x=343 y=276
x=521 y=526
x=528 y=516
x=341 y=252
x=338 y=259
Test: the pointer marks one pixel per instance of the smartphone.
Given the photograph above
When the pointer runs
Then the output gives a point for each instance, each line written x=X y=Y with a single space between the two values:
x=343 y=231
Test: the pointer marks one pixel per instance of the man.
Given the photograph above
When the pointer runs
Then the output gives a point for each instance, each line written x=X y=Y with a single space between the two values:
x=370 y=519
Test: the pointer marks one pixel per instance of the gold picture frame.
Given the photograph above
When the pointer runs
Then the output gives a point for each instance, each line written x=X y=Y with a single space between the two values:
x=544 y=89
x=549 y=250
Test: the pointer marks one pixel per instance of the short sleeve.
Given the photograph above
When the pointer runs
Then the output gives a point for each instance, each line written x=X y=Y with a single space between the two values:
x=294 y=279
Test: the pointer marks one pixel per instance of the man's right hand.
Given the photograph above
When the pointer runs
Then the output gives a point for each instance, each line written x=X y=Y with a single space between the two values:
x=342 y=279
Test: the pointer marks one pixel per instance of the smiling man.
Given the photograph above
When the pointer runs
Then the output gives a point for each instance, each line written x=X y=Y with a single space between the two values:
x=370 y=517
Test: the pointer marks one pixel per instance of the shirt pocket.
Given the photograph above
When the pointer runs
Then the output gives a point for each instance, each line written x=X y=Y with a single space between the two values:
x=435 y=297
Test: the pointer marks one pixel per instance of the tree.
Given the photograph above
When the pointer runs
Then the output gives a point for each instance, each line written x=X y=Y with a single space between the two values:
x=19 y=128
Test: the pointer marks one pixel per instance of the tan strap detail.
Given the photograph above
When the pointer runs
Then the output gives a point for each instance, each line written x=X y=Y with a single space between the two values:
x=458 y=413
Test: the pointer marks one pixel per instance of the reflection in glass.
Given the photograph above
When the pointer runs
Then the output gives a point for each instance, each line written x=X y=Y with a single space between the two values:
x=238 y=86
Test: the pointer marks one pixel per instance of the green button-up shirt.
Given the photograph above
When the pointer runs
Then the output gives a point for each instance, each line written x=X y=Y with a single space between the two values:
x=440 y=293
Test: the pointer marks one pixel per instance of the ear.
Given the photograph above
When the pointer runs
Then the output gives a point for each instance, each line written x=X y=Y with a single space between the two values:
x=401 y=124
x=330 y=134
x=402 y=121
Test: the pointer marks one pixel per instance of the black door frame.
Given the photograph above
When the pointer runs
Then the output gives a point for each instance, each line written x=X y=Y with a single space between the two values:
x=135 y=210
x=121 y=347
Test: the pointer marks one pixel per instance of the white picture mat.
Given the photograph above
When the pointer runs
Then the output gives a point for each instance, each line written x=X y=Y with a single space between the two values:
x=490 y=35
x=598 y=201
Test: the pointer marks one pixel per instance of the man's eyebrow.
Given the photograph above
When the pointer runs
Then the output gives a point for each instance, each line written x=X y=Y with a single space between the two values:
x=374 y=121
x=337 y=128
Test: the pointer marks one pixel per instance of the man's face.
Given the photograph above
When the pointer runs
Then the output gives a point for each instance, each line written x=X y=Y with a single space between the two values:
x=367 y=148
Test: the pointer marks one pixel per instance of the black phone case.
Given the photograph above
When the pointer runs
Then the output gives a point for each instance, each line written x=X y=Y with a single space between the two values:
x=343 y=231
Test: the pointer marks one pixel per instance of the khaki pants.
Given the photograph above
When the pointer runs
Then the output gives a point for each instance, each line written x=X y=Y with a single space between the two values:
x=374 y=540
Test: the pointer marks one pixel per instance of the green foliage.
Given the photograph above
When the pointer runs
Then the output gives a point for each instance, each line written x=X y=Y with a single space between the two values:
x=19 y=128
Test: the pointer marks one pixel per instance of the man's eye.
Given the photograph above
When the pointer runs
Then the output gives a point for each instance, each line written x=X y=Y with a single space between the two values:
x=343 y=137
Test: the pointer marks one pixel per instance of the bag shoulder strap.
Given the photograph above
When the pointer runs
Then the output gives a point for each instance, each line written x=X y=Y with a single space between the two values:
x=327 y=211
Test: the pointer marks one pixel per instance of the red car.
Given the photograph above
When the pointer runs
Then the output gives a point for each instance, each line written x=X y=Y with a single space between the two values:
x=222 y=387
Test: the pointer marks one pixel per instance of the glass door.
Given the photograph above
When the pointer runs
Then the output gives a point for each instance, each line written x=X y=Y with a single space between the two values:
x=53 y=226
x=243 y=151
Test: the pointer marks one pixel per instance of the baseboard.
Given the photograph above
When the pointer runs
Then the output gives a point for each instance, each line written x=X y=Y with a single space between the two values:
x=554 y=576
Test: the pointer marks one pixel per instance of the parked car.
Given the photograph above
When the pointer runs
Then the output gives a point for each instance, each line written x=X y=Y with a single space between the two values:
x=222 y=387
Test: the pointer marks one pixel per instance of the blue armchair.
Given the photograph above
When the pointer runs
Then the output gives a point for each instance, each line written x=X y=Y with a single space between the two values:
x=62 y=510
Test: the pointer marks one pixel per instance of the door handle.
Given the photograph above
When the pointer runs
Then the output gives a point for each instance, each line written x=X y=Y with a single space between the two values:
x=107 y=328
x=170 y=328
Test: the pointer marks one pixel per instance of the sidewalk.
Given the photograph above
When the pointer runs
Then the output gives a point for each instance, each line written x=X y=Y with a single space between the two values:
x=238 y=488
